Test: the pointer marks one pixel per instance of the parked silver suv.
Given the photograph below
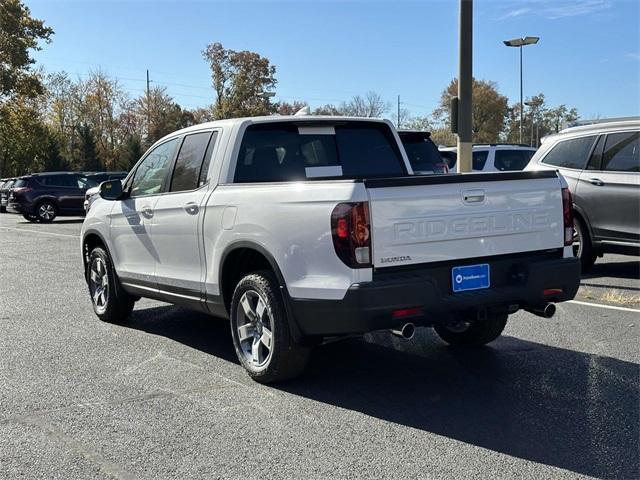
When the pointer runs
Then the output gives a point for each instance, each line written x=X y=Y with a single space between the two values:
x=601 y=163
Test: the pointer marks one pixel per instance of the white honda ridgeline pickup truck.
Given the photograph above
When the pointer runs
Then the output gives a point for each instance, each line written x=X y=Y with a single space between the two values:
x=300 y=229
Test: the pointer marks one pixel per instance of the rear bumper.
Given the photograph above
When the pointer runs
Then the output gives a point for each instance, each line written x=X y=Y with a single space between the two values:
x=17 y=207
x=369 y=306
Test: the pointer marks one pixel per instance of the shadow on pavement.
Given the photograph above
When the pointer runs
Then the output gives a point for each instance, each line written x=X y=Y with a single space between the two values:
x=559 y=407
x=194 y=329
x=628 y=270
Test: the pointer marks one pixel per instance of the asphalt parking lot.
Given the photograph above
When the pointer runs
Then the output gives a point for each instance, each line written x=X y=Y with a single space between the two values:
x=164 y=396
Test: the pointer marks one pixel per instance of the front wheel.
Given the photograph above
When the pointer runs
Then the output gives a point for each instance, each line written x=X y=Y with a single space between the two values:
x=465 y=334
x=260 y=331
x=110 y=302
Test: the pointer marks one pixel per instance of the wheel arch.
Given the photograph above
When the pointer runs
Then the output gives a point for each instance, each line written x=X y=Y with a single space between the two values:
x=582 y=216
x=242 y=257
x=91 y=240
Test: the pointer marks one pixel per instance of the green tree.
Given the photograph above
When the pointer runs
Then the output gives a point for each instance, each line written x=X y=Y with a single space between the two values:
x=52 y=159
x=539 y=120
x=23 y=135
x=240 y=80
x=131 y=153
x=19 y=34
x=490 y=109
x=88 y=151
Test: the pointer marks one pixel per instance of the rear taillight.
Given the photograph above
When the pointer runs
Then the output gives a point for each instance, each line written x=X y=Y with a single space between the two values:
x=21 y=190
x=567 y=215
x=351 y=232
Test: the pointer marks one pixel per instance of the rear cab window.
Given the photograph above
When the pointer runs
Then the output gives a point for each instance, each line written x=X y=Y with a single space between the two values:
x=288 y=151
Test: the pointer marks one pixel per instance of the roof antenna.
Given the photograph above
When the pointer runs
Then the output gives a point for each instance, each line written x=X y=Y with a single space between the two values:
x=303 y=111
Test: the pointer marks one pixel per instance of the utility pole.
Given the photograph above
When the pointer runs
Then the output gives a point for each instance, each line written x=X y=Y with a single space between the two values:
x=148 y=104
x=465 y=86
x=398 y=123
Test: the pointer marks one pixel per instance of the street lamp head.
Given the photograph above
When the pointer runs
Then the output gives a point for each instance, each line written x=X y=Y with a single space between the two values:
x=519 y=42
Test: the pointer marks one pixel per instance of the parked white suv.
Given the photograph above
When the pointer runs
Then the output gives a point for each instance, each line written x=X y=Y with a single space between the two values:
x=299 y=229
x=499 y=157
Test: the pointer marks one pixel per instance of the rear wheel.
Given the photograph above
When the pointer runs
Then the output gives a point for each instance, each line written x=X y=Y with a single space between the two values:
x=582 y=246
x=260 y=331
x=46 y=211
x=110 y=302
x=467 y=334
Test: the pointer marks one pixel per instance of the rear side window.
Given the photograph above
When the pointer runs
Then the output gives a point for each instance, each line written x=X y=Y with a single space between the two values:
x=279 y=152
x=22 y=182
x=622 y=152
x=67 y=181
x=512 y=159
x=186 y=174
x=571 y=153
x=479 y=159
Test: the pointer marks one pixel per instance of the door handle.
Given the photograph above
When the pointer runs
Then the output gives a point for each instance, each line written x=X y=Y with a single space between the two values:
x=473 y=196
x=191 y=208
x=596 y=181
x=147 y=212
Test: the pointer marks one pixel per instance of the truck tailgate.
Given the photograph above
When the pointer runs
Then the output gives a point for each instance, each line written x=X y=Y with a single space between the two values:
x=427 y=219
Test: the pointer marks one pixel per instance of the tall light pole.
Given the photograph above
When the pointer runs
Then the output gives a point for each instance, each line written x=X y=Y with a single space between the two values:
x=521 y=42
x=465 y=87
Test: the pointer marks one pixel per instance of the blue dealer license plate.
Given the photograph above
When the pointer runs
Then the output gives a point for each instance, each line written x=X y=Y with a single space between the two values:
x=470 y=277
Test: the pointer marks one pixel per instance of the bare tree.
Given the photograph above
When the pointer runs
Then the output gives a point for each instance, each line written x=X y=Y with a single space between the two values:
x=371 y=105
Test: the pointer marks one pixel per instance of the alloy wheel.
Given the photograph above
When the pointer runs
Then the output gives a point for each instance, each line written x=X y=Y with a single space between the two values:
x=46 y=212
x=254 y=326
x=99 y=285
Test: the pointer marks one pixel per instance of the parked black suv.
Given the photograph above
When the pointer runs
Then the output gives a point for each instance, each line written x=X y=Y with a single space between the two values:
x=41 y=197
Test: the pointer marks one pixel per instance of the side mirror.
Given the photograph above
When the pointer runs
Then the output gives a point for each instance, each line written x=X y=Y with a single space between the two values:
x=111 y=190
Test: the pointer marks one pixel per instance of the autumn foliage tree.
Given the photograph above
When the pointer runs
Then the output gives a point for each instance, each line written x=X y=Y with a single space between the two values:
x=490 y=109
x=241 y=81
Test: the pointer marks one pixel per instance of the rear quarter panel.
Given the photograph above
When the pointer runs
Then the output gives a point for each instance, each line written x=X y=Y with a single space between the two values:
x=291 y=221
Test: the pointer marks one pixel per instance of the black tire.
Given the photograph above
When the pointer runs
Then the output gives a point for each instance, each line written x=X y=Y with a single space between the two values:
x=117 y=304
x=31 y=218
x=3 y=209
x=476 y=334
x=584 y=250
x=285 y=359
x=46 y=211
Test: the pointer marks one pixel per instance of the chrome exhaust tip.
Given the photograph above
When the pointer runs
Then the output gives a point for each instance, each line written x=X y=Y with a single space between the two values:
x=547 y=311
x=406 y=331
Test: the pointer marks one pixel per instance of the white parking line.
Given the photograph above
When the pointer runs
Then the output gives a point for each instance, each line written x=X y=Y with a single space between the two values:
x=40 y=232
x=600 y=305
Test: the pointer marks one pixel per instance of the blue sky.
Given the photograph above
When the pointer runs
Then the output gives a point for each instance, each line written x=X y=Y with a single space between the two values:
x=326 y=52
